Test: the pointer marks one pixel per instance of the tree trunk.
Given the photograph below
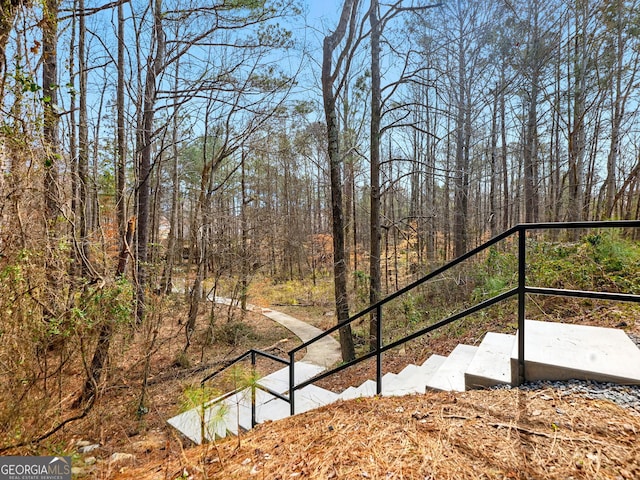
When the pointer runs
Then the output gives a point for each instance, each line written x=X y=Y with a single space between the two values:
x=121 y=139
x=331 y=42
x=167 y=274
x=83 y=151
x=506 y=199
x=101 y=353
x=50 y=95
x=461 y=174
x=144 y=151
x=493 y=149
x=577 y=138
x=374 y=172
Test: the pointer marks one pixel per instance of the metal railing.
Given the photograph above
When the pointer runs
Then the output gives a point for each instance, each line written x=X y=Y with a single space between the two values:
x=253 y=354
x=520 y=292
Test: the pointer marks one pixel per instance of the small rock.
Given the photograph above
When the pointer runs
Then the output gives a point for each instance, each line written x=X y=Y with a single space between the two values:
x=148 y=444
x=119 y=457
x=536 y=413
x=246 y=461
x=83 y=443
x=90 y=460
x=89 y=448
x=78 y=471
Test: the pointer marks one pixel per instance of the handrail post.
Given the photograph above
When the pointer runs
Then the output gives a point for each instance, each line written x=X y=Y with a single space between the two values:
x=253 y=389
x=378 y=347
x=522 y=271
x=292 y=405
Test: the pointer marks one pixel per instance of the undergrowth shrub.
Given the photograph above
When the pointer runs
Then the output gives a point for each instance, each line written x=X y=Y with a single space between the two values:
x=234 y=332
x=48 y=331
x=498 y=274
x=601 y=261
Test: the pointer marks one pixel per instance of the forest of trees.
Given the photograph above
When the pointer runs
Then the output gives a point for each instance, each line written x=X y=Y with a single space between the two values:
x=143 y=142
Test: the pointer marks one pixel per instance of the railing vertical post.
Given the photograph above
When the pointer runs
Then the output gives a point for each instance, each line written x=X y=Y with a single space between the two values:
x=292 y=404
x=253 y=389
x=522 y=271
x=378 y=347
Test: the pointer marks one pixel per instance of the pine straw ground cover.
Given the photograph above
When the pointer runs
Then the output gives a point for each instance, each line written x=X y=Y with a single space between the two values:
x=470 y=435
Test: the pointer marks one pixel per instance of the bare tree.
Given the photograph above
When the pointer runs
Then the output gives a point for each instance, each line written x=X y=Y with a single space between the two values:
x=144 y=150
x=330 y=74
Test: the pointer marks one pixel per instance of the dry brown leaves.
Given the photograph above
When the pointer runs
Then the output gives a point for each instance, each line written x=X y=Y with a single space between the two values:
x=470 y=435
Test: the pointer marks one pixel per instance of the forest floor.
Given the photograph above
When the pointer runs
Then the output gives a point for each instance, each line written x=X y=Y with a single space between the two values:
x=478 y=434
x=438 y=435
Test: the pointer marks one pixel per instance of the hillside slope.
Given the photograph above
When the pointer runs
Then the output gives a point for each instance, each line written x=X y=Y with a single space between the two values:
x=470 y=435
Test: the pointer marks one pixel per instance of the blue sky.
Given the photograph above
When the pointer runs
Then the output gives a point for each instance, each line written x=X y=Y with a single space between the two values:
x=323 y=12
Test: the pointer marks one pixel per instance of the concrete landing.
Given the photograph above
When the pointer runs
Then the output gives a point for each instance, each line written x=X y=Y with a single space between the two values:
x=560 y=351
x=491 y=364
x=272 y=408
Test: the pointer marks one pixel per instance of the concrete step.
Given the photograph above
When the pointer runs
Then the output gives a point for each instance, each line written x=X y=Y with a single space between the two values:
x=278 y=381
x=409 y=370
x=560 y=351
x=413 y=378
x=367 y=389
x=222 y=417
x=409 y=380
x=431 y=365
x=312 y=396
x=491 y=364
x=554 y=351
x=348 y=393
x=450 y=375
x=190 y=425
x=269 y=407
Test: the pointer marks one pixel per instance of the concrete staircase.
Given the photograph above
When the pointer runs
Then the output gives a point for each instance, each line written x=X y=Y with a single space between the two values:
x=553 y=351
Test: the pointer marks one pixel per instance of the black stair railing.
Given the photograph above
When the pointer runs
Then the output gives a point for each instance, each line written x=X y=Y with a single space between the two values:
x=253 y=354
x=520 y=292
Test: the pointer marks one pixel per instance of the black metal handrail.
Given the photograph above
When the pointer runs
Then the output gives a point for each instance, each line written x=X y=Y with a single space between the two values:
x=520 y=291
x=253 y=353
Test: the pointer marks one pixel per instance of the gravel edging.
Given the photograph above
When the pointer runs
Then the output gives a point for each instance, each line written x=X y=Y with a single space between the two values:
x=626 y=396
